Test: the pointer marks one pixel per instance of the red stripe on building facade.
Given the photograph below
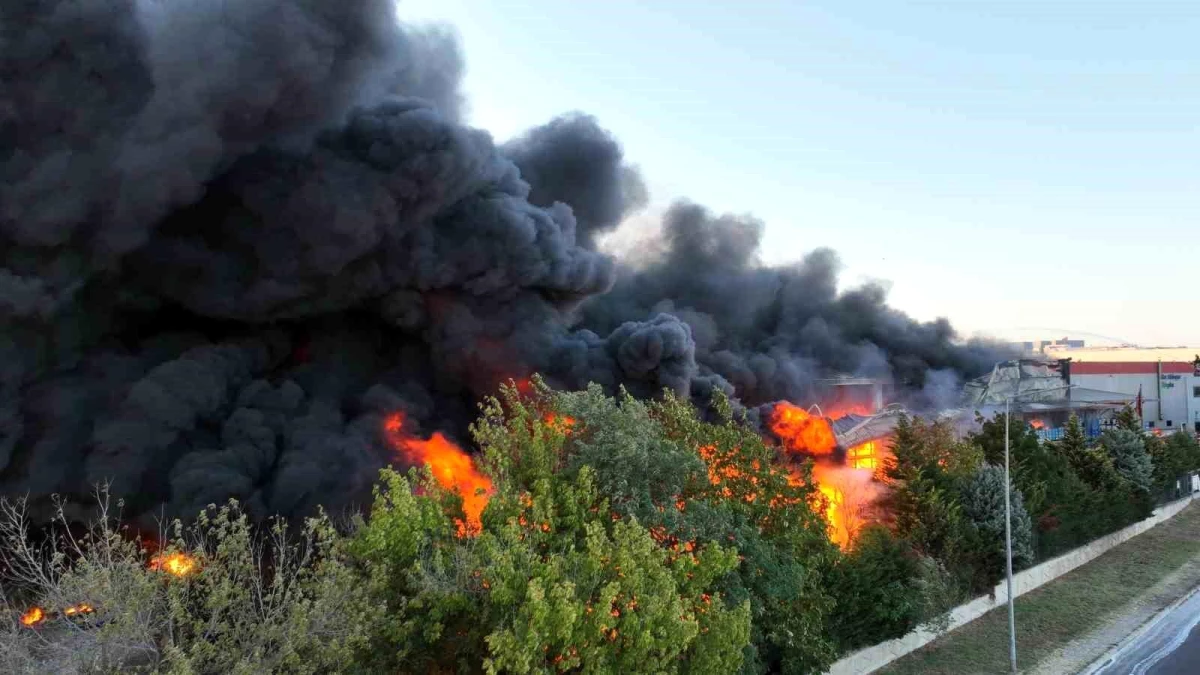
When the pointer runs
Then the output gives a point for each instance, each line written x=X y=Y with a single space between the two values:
x=1129 y=367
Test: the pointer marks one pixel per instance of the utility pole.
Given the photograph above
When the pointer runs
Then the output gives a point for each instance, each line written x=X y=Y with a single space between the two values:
x=1012 y=614
x=1012 y=606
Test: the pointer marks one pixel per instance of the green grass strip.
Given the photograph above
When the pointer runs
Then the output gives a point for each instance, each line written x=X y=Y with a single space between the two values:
x=1064 y=609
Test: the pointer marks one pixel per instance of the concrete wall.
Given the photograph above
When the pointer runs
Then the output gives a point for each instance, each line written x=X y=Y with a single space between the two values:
x=873 y=658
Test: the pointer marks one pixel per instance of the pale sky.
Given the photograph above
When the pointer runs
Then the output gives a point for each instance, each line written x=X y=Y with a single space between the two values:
x=1008 y=165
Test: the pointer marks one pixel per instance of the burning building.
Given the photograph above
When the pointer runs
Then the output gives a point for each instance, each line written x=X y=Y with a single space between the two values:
x=846 y=436
x=1044 y=396
x=237 y=239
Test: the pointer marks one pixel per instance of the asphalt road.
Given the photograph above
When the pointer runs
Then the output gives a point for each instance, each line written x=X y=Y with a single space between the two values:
x=1169 y=646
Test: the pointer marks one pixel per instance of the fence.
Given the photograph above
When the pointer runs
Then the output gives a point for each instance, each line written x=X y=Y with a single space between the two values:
x=1183 y=486
x=1091 y=428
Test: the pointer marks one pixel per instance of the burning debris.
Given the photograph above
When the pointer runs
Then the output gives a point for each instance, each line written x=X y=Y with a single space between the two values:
x=35 y=617
x=250 y=260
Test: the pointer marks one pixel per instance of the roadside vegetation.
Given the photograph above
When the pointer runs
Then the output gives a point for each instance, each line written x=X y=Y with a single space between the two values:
x=608 y=535
x=1065 y=609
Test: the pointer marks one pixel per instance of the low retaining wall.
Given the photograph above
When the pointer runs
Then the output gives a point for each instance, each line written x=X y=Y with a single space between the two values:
x=873 y=658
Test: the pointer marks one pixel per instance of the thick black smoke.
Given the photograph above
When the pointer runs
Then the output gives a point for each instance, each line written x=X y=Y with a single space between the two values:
x=573 y=161
x=236 y=235
x=770 y=332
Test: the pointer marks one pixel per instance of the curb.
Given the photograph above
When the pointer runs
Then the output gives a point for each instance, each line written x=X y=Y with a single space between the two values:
x=1108 y=656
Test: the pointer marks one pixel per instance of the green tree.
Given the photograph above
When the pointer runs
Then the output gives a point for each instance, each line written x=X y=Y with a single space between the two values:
x=1172 y=457
x=983 y=506
x=569 y=588
x=1127 y=418
x=1094 y=467
x=926 y=473
x=1130 y=459
x=1067 y=510
x=884 y=590
x=242 y=600
x=693 y=482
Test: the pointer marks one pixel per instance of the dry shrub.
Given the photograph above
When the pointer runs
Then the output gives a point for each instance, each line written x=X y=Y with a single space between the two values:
x=256 y=601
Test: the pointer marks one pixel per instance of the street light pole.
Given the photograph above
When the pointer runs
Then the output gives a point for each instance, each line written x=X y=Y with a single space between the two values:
x=1012 y=614
x=1012 y=606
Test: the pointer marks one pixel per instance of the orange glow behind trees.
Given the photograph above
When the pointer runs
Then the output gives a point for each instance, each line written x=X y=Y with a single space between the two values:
x=563 y=424
x=451 y=466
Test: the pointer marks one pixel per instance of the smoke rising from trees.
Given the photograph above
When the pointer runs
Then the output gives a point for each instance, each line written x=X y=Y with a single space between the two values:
x=235 y=235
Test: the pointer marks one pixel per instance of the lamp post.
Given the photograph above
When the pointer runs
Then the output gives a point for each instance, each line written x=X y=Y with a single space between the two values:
x=1012 y=614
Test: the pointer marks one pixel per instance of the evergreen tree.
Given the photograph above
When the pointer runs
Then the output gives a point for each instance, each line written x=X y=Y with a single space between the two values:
x=983 y=505
x=1128 y=419
x=1129 y=457
x=1073 y=441
x=1092 y=466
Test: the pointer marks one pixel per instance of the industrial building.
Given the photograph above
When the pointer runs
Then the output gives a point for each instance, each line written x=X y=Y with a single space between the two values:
x=1169 y=389
x=1045 y=393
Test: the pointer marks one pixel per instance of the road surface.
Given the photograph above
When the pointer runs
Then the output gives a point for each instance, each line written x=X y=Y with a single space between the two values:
x=1169 y=646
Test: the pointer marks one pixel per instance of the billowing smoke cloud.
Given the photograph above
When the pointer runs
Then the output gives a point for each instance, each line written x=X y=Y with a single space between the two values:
x=771 y=331
x=573 y=161
x=235 y=236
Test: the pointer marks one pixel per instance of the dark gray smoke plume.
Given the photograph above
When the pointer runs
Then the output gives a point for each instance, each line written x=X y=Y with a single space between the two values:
x=771 y=331
x=236 y=235
x=573 y=161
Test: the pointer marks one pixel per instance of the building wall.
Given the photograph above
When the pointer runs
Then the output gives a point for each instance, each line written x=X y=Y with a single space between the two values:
x=1179 y=406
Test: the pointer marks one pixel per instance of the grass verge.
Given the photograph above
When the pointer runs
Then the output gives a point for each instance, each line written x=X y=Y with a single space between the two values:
x=1064 y=609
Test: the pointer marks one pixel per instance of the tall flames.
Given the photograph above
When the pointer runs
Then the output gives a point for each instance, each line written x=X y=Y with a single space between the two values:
x=451 y=466
x=850 y=495
x=848 y=488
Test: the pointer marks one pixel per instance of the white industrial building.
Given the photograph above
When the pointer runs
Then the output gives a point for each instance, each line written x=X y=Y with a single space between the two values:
x=1168 y=379
x=1170 y=389
x=1045 y=395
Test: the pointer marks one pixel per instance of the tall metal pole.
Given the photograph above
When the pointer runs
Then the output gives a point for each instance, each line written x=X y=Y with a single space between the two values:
x=1012 y=616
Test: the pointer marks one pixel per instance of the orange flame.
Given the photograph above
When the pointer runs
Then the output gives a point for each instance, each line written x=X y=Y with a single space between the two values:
x=563 y=424
x=1037 y=424
x=176 y=564
x=802 y=432
x=850 y=494
x=33 y=617
x=834 y=498
x=81 y=608
x=452 y=468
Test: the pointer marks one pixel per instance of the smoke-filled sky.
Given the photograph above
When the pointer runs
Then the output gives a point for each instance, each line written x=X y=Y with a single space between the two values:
x=236 y=237
x=1006 y=164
